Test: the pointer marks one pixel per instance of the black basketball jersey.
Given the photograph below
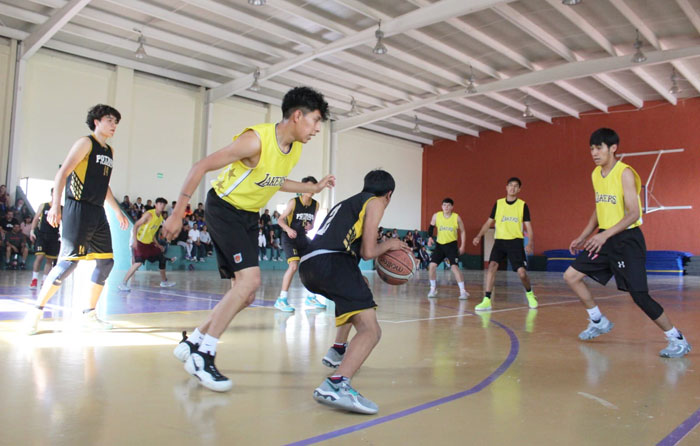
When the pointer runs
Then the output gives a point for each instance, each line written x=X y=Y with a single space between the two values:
x=302 y=214
x=90 y=178
x=341 y=230
x=44 y=227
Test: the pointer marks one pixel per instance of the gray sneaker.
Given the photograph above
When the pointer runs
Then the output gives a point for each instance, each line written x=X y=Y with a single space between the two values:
x=594 y=330
x=676 y=348
x=332 y=358
x=343 y=396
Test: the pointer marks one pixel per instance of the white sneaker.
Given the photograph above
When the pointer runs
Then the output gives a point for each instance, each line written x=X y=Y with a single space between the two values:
x=172 y=260
x=283 y=305
x=30 y=323
x=463 y=295
x=594 y=330
x=166 y=284
x=124 y=287
x=676 y=348
x=91 y=321
x=201 y=366
x=432 y=293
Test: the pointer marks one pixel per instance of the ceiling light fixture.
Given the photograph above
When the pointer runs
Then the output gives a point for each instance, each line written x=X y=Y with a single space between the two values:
x=256 y=2
x=675 y=89
x=140 y=51
x=571 y=2
x=416 y=128
x=471 y=89
x=255 y=86
x=638 y=56
x=354 y=110
x=379 y=48
x=527 y=113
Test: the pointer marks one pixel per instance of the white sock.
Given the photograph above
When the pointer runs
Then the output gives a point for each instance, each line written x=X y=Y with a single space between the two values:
x=432 y=284
x=594 y=313
x=673 y=333
x=284 y=294
x=43 y=278
x=195 y=337
x=461 y=286
x=35 y=275
x=208 y=345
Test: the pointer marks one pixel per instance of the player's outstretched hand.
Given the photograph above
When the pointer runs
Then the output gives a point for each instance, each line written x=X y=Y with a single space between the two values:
x=326 y=182
x=123 y=221
x=396 y=244
x=172 y=227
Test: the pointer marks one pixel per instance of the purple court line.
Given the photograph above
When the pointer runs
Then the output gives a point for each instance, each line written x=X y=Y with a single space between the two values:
x=514 y=349
x=681 y=431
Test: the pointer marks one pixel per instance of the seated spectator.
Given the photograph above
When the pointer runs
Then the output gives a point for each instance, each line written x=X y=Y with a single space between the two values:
x=205 y=240
x=188 y=210
x=16 y=244
x=196 y=250
x=261 y=244
x=199 y=212
x=126 y=204
x=395 y=233
x=170 y=208
x=182 y=240
x=149 y=205
x=424 y=257
x=21 y=210
x=5 y=203
x=139 y=207
x=199 y=221
x=191 y=220
x=8 y=221
x=380 y=234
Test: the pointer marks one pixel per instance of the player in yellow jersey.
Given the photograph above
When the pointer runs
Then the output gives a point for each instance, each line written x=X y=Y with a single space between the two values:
x=257 y=164
x=447 y=224
x=509 y=214
x=145 y=245
x=618 y=248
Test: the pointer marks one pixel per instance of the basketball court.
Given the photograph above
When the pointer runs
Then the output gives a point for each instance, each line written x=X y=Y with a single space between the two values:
x=441 y=373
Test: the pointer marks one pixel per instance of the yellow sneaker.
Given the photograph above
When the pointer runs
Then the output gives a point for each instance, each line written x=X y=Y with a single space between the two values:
x=485 y=305
x=531 y=299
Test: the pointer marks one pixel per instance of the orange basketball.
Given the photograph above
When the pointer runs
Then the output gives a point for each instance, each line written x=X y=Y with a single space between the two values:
x=395 y=267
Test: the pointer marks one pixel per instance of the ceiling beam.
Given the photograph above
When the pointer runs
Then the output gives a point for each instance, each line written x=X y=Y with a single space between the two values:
x=417 y=18
x=648 y=34
x=46 y=31
x=571 y=70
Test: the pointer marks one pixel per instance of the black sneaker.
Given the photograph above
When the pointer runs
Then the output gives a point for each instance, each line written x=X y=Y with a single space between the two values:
x=201 y=366
x=184 y=349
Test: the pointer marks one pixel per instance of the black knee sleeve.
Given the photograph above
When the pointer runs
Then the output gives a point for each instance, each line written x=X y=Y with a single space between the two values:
x=102 y=269
x=647 y=304
x=62 y=270
x=162 y=261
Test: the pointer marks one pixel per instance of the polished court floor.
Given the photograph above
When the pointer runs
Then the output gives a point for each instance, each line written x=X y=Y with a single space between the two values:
x=441 y=374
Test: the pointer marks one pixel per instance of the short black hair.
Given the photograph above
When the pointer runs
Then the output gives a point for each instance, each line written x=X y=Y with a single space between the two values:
x=604 y=136
x=379 y=182
x=161 y=200
x=305 y=99
x=516 y=179
x=309 y=179
x=448 y=200
x=98 y=112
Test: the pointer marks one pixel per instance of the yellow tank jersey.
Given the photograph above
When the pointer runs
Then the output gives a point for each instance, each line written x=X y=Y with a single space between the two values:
x=249 y=189
x=147 y=232
x=609 y=197
x=509 y=219
x=447 y=228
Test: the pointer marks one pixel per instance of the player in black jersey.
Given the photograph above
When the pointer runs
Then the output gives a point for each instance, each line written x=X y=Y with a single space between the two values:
x=296 y=220
x=47 y=242
x=85 y=175
x=330 y=267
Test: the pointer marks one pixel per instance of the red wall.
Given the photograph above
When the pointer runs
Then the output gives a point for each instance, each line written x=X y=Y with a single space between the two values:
x=554 y=163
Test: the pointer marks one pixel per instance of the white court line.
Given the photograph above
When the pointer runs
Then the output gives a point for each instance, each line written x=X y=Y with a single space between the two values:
x=607 y=404
x=512 y=309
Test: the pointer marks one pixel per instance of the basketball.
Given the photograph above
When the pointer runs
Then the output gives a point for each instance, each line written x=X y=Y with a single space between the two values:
x=395 y=267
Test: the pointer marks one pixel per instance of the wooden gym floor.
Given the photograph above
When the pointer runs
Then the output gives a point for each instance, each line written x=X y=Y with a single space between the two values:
x=440 y=375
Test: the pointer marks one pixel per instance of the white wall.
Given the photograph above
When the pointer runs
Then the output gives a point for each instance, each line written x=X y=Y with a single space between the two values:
x=161 y=132
x=360 y=151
